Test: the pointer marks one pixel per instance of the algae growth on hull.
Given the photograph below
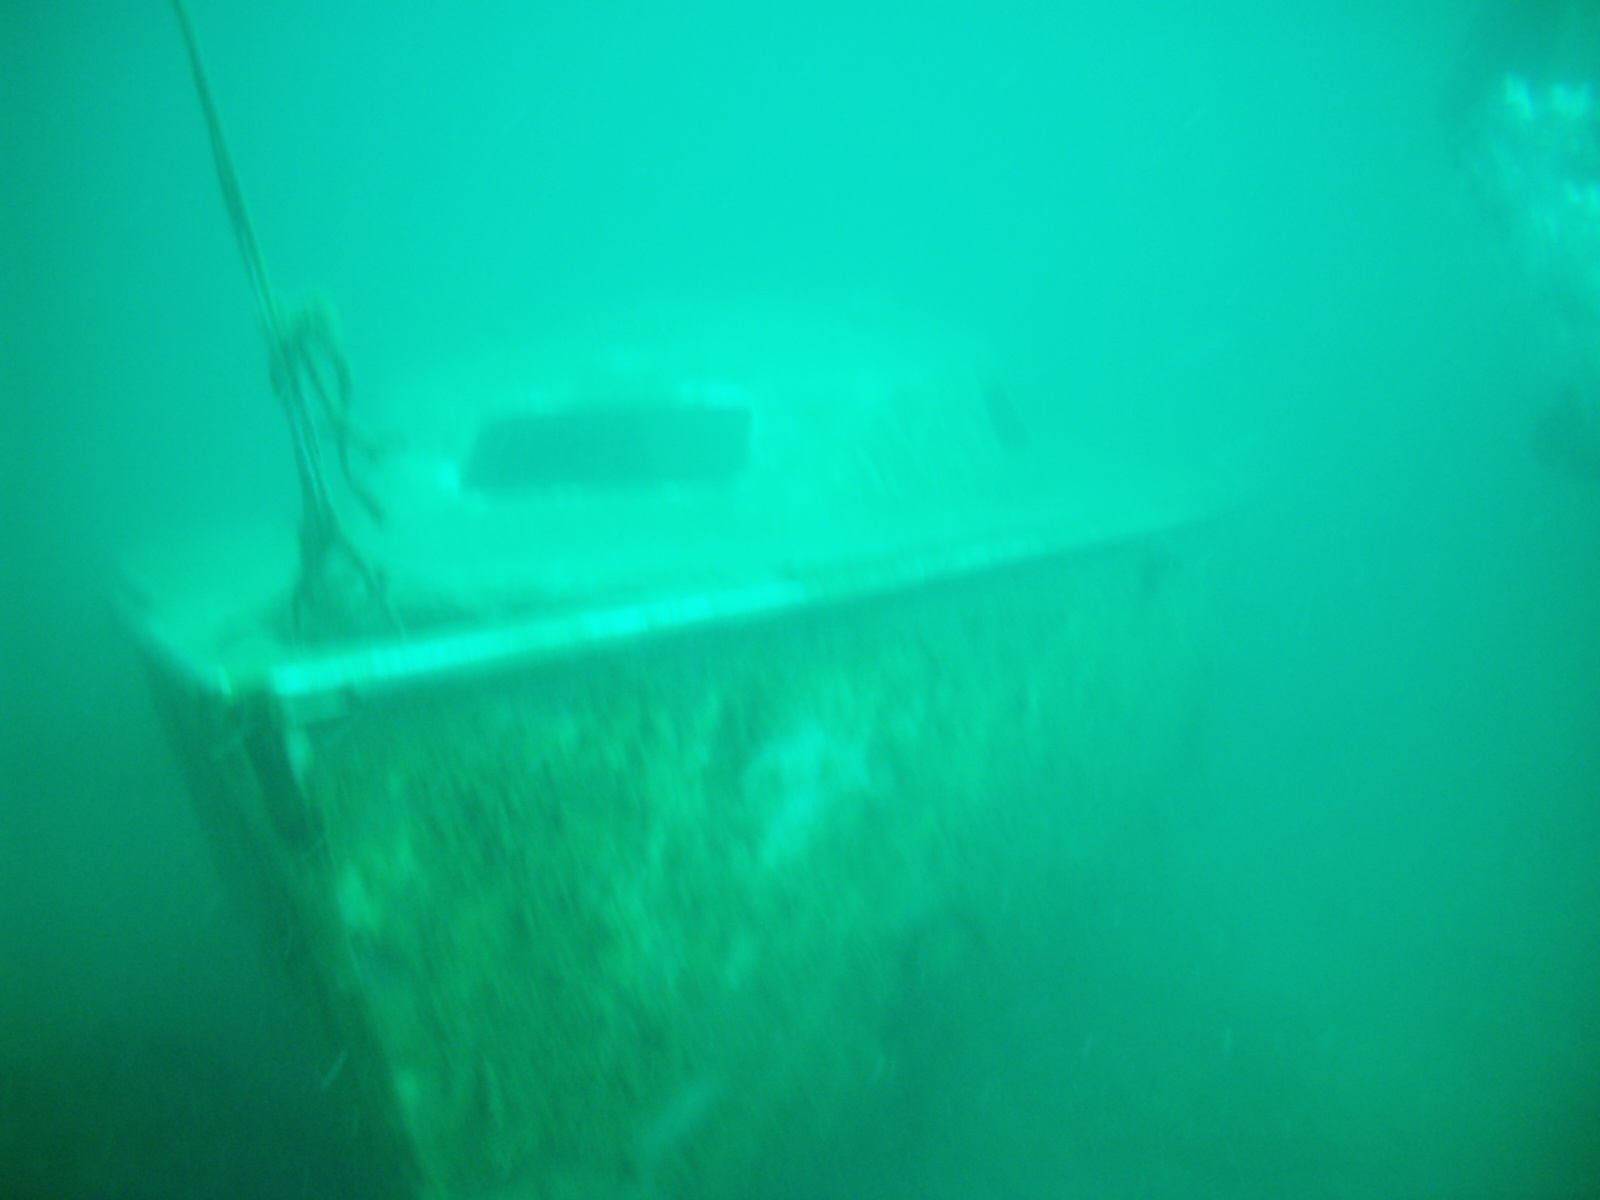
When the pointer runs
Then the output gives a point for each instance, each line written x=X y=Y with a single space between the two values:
x=638 y=919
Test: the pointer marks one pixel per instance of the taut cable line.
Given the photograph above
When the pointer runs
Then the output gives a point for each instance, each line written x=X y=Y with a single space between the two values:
x=336 y=590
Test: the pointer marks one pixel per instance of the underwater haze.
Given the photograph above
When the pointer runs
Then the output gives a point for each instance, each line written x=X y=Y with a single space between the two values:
x=1360 y=956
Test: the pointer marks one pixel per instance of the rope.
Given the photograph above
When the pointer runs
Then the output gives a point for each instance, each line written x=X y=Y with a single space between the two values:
x=336 y=587
x=232 y=196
